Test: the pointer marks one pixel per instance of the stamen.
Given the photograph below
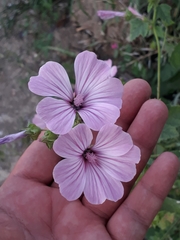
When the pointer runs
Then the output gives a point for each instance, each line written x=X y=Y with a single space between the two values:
x=90 y=156
x=78 y=100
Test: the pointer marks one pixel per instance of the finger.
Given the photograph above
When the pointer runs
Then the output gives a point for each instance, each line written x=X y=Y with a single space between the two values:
x=134 y=216
x=136 y=92
x=145 y=131
x=146 y=128
x=54 y=185
x=37 y=163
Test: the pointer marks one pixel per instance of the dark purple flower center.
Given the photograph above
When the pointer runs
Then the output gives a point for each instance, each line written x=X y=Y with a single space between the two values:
x=89 y=156
x=78 y=101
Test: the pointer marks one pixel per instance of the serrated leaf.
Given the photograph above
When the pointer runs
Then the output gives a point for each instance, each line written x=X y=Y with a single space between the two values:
x=164 y=13
x=138 y=28
x=175 y=57
x=169 y=132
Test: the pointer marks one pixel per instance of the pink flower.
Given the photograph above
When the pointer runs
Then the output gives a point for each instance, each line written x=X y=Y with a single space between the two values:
x=114 y=46
x=97 y=170
x=39 y=122
x=106 y=14
x=12 y=137
x=96 y=97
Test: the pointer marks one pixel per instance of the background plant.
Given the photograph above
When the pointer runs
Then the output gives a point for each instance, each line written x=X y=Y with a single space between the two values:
x=161 y=67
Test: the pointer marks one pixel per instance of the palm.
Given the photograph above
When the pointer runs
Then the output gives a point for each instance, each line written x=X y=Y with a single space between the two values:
x=47 y=215
x=32 y=208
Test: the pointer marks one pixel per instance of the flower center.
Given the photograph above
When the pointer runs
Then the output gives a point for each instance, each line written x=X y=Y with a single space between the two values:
x=90 y=156
x=78 y=100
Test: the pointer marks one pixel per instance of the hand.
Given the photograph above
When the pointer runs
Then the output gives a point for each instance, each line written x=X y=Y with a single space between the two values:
x=32 y=208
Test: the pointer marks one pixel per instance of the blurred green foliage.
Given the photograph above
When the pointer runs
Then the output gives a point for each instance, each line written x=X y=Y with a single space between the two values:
x=143 y=42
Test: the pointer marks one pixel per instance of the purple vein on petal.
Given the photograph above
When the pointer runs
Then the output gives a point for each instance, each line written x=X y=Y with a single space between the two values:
x=51 y=81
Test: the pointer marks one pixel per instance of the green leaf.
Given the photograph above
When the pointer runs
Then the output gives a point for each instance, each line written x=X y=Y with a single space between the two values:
x=167 y=72
x=174 y=116
x=150 y=6
x=166 y=220
x=175 y=57
x=169 y=48
x=160 y=31
x=169 y=132
x=164 y=13
x=138 y=28
x=115 y=53
x=171 y=205
x=171 y=85
x=178 y=27
x=177 y=153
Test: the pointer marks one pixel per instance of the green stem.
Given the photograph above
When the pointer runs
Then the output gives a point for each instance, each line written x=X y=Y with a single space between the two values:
x=159 y=55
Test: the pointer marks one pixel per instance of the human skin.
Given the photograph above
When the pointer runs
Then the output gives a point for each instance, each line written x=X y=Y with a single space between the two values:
x=31 y=207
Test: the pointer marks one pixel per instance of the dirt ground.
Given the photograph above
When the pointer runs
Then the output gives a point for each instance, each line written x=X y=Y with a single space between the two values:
x=17 y=106
x=19 y=60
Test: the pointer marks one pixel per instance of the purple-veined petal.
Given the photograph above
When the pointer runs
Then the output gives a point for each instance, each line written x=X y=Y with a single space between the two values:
x=51 y=81
x=12 y=137
x=38 y=122
x=73 y=143
x=89 y=72
x=105 y=14
x=112 y=141
x=58 y=115
x=100 y=186
x=109 y=62
x=122 y=171
x=70 y=175
x=113 y=69
x=97 y=115
x=109 y=91
x=132 y=156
